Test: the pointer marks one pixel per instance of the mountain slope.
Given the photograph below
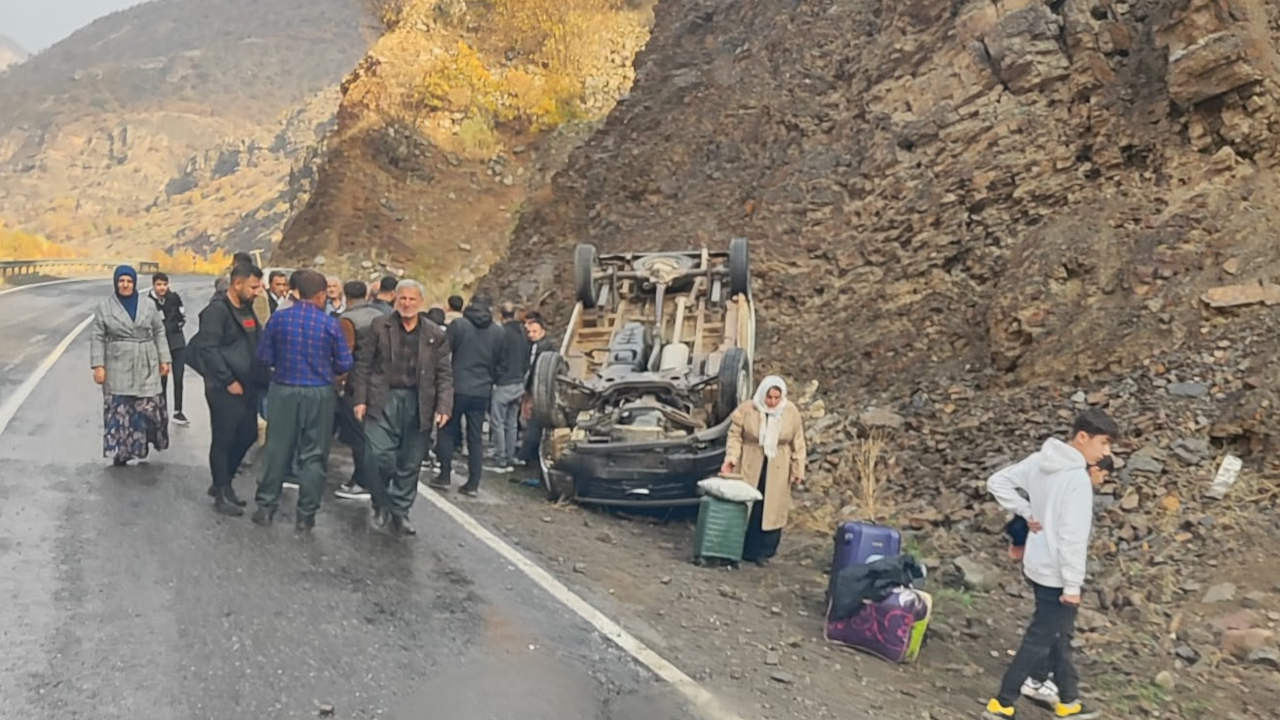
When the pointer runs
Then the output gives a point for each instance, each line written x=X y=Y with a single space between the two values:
x=11 y=53
x=457 y=114
x=165 y=123
x=1011 y=186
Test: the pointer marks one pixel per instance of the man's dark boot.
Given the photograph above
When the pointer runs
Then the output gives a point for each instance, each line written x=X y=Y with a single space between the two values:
x=212 y=491
x=223 y=505
x=401 y=526
x=304 y=523
x=230 y=494
x=380 y=518
x=263 y=516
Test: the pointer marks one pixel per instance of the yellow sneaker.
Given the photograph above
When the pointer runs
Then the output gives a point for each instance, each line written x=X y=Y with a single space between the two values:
x=1075 y=710
x=996 y=710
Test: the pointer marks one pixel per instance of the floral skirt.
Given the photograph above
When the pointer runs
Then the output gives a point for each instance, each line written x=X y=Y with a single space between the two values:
x=132 y=424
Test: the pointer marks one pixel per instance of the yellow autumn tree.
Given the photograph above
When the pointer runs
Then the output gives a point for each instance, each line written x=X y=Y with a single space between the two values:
x=17 y=244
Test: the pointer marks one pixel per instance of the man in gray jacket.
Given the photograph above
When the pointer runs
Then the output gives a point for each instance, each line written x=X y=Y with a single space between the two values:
x=513 y=365
x=1058 y=508
x=403 y=392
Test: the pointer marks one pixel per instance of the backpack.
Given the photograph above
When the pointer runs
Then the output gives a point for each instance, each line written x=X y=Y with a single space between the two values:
x=195 y=346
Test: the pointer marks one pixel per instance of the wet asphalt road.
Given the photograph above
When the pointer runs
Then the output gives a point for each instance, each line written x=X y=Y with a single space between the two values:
x=122 y=595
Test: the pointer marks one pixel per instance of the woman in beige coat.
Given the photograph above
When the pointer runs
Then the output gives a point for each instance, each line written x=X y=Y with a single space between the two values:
x=129 y=353
x=766 y=444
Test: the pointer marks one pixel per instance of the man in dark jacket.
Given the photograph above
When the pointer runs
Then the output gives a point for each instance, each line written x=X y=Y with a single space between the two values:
x=403 y=392
x=357 y=328
x=169 y=303
x=386 y=296
x=229 y=340
x=476 y=342
x=513 y=366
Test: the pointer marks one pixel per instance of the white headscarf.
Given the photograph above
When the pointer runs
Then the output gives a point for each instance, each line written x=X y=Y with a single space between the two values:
x=770 y=417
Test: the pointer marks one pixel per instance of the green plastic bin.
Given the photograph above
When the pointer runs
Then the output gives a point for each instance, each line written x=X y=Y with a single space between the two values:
x=722 y=529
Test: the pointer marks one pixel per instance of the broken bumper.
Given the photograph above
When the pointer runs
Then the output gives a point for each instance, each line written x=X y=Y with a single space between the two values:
x=645 y=474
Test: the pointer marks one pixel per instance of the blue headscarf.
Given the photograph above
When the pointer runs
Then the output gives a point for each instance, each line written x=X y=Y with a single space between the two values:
x=130 y=302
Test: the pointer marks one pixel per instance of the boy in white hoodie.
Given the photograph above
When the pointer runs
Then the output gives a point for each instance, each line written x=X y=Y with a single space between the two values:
x=1058 y=508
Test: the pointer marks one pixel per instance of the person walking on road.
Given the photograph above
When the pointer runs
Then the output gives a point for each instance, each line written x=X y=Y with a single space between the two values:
x=356 y=324
x=129 y=354
x=228 y=343
x=169 y=303
x=475 y=342
x=513 y=366
x=1053 y=491
x=766 y=445
x=404 y=393
x=306 y=351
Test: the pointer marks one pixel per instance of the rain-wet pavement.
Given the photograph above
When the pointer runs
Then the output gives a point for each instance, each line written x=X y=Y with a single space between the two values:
x=122 y=595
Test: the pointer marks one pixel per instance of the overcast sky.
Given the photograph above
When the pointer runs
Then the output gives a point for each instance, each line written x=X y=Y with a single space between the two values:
x=37 y=24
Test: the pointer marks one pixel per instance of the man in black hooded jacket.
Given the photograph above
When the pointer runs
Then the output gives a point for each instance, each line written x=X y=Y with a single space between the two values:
x=477 y=342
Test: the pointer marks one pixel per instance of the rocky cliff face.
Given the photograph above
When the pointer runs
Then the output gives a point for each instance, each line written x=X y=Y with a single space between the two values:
x=970 y=221
x=1015 y=189
x=460 y=113
x=160 y=126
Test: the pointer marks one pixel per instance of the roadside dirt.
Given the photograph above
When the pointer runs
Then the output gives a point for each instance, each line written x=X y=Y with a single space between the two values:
x=754 y=635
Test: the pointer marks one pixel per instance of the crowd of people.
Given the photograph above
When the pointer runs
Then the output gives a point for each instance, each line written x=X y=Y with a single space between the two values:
x=402 y=383
x=399 y=380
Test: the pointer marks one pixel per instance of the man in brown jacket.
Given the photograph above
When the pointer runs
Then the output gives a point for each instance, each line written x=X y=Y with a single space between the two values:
x=403 y=392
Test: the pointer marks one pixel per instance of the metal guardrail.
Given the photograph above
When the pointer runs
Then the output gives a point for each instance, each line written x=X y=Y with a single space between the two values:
x=20 y=268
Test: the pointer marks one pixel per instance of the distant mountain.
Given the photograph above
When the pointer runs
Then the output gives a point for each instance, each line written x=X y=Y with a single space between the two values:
x=171 y=122
x=11 y=53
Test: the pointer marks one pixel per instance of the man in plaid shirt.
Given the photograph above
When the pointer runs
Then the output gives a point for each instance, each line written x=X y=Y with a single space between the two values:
x=307 y=352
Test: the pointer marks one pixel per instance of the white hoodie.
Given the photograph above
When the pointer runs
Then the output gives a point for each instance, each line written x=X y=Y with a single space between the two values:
x=1061 y=499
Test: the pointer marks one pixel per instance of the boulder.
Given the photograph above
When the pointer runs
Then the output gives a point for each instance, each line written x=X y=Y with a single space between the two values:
x=976 y=574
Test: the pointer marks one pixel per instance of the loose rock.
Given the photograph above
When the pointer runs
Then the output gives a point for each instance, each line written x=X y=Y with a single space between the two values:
x=1222 y=592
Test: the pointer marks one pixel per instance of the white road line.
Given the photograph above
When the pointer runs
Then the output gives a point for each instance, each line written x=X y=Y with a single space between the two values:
x=11 y=404
x=707 y=705
x=52 y=282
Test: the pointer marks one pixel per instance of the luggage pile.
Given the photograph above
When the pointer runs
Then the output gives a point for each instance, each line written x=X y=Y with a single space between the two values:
x=872 y=604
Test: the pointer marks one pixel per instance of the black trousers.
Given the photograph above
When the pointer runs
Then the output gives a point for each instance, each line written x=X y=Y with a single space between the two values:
x=472 y=409
x=1047 y=642
x=177 y=368
x=761 y=544
x=531 y=443
x=233 y=423
x=351 y=433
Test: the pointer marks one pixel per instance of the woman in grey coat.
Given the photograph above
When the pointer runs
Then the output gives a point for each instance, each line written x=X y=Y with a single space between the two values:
x=129 y=354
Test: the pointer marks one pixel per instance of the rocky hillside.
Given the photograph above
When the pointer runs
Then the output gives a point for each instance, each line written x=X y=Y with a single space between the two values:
x=177 y=123
x=458 y=115
x=11 y=53
x=969 y=221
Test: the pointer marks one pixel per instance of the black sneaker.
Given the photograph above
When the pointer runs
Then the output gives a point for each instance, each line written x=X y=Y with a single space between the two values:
x=470 y=492
x=401 y=526
x=352 y=491
x=223 y=506
x=263 y=516
x=304 y=523
x=180 y=419
x=230 y=494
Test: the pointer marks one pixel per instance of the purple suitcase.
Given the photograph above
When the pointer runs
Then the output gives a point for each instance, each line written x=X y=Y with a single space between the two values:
x=893 y=628
x=858 y=543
